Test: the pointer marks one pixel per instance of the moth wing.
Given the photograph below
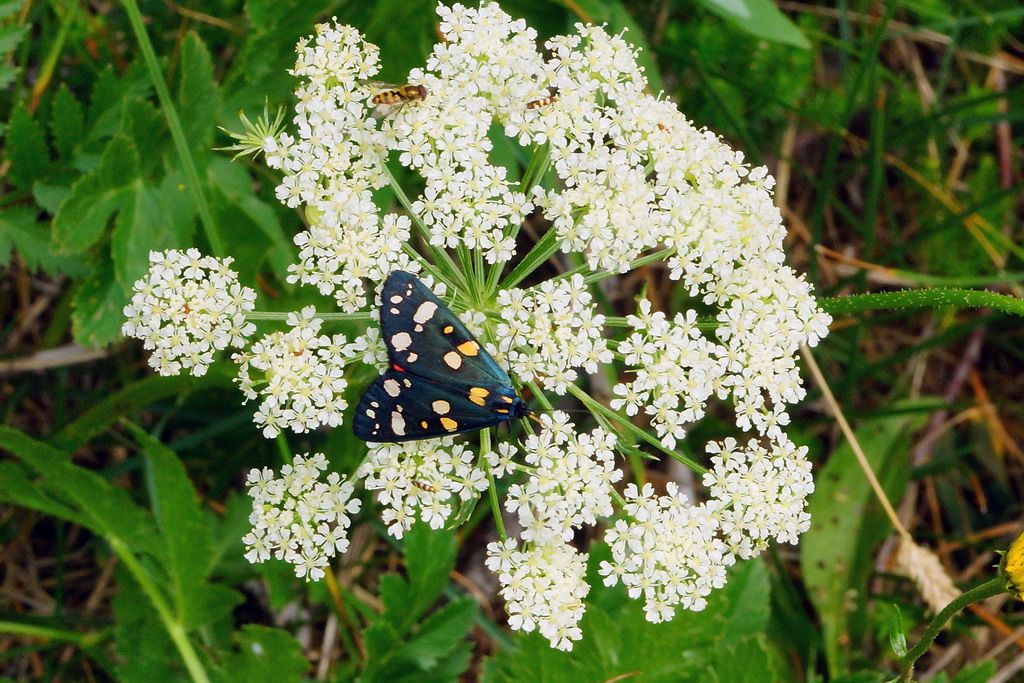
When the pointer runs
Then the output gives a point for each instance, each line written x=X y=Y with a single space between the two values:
x=427 y=339
x=400 y=406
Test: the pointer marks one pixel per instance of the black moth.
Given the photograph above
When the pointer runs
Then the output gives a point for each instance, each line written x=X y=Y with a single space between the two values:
x=439 y=381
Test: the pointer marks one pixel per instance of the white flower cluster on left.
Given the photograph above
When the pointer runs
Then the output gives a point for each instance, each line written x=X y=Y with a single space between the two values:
x=187 y=307
x=421 y=479
x=299 y=374
x=298 y=518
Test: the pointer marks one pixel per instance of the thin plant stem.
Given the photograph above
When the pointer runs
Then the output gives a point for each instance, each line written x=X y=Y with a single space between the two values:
x=188 y=164
x=492 y=488
x=978 y=593
x=858 y=452
x=327 y=317
x=174 y=628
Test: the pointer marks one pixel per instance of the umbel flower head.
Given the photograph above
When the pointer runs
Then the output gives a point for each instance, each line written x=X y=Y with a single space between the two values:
x=617 y=179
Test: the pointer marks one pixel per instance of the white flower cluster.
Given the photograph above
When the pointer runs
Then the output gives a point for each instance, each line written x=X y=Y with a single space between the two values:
x=569 y=485
x=759 y=494
x=299 y=374
x=550 y=330
x=333 y=168
x=298 y=518
x=672 y=553
x=570 y=482
x=543 y=587
x=480 y=67
x=421 y=479
x=669 y=554
x=187 y=307
x=677 y=371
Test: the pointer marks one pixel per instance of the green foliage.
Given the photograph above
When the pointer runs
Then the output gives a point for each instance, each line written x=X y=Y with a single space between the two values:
x=434 y=649
x=836 y=553
x=759 y=18
x=724 y=642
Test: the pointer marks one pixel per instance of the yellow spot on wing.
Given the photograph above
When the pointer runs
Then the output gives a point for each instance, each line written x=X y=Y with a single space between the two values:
x=469 y=348
x=478 y=395
x=449 y=424
x=423 y=424
x=448 y=329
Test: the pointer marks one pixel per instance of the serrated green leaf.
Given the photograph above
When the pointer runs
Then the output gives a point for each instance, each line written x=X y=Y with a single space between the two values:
x=83 y=217
x=846 y=524
x=151 y=219
x=98 y=305
x=429 y=558
x=439 y=634
x=67 y=120
x=25 y=148
x=240 y=212
x=197 y=95
x=264 y=654
x=10 y=36
x=185 y=534
x=103 y=508
x=7 y=75
x=144 y=650
x=19 y=230
x=10 y=8
x=760 y=18
x=17 y=488
x=619 y=643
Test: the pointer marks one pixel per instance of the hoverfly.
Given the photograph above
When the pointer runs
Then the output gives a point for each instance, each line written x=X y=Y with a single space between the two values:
x=551 y=98
x=392 y=95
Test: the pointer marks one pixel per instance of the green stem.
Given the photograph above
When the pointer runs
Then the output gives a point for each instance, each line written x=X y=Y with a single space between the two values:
x=174 y=628
x=82 y=640
x=492 y=489
x=591 y=276
x=439 y=255
x=330 y=317
x=596 y=407
x=188 y=164
x=922 y=298
x=986 y=590
x=541 y=251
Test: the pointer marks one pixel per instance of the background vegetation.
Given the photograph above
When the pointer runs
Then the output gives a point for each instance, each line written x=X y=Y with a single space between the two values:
x=894 y=130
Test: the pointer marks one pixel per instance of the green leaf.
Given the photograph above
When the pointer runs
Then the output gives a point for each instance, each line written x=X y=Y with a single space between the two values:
x=67 y=121
x=25 y=147
x=10 y=36
x=83 y=217
x=197 y=96
x=105 y=509
x=151 y=219
x=98 y=304
x=429 y=558
x=7 y=75
x=619 y=643
x=144 y=650
x=240 y=213
x=439 y=634
x=186 y=536
x=760 y=18
x=21 y=231
x=846 y=524
x=10 y=8
x=264 y=654
x=17 y=488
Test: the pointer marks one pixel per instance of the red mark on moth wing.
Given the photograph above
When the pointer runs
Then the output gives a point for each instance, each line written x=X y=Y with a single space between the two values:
x=398 y=367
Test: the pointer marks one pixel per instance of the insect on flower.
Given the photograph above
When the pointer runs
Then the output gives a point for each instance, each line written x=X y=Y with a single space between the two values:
x=544 y=101
x=440 y=380
x=394 y=95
